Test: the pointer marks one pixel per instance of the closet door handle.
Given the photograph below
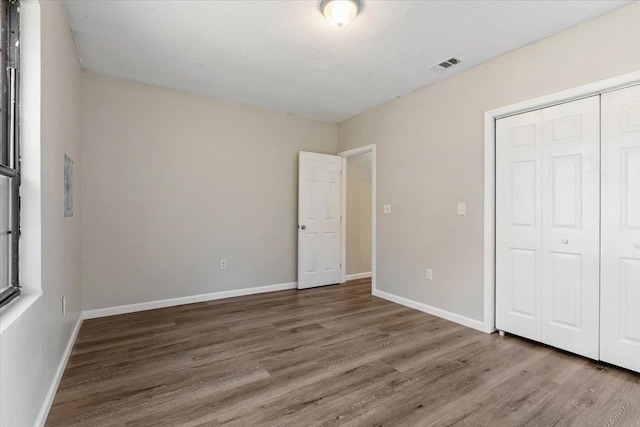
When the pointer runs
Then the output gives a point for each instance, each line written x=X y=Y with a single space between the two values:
x=564 y=241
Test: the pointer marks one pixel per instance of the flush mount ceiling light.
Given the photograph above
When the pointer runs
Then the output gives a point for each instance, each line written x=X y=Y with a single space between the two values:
x=339 y=12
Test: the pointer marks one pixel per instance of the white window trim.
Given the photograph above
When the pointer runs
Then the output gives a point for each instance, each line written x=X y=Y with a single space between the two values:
x=30 y=146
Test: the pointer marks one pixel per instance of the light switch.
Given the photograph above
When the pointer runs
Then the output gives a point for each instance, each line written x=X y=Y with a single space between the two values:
x=387 y=209
x=462 y=208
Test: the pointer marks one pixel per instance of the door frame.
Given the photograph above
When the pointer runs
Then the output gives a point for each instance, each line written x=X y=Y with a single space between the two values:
x=345 y=154
x=490 y=117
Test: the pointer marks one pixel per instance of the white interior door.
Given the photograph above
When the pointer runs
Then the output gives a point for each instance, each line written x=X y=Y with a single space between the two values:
x=519 y=224
x=571 y=226
x=319 y=220
x=620 y=296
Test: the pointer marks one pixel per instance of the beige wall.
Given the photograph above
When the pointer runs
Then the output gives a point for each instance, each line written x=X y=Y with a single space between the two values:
x=32 y=347
x=359 y=213
x=430 y=155
x=176 y=182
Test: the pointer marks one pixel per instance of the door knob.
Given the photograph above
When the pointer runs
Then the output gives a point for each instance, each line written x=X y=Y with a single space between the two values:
x=564 y=241
x=304 y=227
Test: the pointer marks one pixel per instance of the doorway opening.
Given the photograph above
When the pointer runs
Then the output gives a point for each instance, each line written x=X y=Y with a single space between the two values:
x=359 y=214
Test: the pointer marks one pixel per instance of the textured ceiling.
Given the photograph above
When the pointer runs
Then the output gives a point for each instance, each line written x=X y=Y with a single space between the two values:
x=284 y=56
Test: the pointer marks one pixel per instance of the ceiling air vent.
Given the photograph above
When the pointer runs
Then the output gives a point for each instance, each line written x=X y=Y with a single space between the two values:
x=444 y=65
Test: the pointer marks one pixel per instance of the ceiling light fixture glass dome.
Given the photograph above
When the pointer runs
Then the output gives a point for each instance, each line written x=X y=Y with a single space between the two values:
x=339 y=12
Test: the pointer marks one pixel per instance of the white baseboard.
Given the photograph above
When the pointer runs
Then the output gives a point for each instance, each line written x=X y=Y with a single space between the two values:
x=151 y=305
x=358 y=276
x=466 y=321
x=51 y=393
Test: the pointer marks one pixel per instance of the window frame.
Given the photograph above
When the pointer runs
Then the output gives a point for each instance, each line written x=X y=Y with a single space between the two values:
x=9 y=133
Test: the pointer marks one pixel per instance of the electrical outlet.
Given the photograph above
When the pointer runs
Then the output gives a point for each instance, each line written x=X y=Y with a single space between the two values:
x=462 y=208
x=64 y=305
x=387 y=209
x=223 y=264
x=429 y=274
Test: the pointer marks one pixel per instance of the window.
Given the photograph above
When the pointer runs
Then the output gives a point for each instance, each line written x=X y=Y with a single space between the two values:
x=9 y=151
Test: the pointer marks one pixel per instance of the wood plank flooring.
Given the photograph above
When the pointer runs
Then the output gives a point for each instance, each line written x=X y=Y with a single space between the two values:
x=325 y=357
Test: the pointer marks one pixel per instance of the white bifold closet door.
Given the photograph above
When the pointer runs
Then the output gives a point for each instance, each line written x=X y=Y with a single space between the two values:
x=620 y=287
x=571 y=226
x=547 y=225
x=519 y=224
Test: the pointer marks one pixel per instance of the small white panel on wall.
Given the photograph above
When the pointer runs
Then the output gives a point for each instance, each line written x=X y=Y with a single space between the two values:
x=68 y=186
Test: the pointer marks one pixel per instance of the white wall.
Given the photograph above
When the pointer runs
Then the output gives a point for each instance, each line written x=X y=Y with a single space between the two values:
x=359 y=213
x=176 y=182
x=430 y=155
x=32 y=347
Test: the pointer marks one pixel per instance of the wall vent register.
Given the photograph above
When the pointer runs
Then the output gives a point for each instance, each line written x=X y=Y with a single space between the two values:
x=445 y=65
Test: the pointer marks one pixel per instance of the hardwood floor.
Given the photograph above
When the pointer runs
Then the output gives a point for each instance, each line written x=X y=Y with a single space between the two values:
x=327 y=356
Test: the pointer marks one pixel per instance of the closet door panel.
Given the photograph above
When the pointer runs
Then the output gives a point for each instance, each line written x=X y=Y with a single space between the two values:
x=570 y=227
x=620 y=296
x=518 y=224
